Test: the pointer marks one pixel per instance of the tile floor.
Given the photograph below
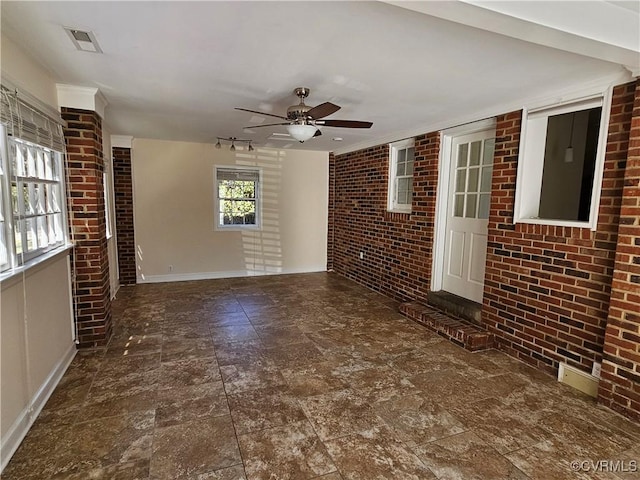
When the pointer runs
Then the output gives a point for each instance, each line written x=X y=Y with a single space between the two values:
x=306 y=377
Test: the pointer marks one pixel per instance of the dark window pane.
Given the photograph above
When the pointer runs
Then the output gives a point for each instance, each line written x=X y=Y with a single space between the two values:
x=569 y=165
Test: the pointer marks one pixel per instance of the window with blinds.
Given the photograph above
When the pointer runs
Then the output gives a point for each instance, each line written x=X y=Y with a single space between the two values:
x=4 y=214
x=32 y=198
x=237 y=197
x=27 y=122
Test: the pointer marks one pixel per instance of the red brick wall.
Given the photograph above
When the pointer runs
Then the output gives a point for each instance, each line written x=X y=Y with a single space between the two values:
x=620 y=381
x=547 y=288
x=125 y=234
x=396 y=246
x=331 y=212
x=87 y=220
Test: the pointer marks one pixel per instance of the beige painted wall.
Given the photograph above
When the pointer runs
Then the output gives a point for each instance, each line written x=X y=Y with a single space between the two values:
x=42 y=338
x=36 y=344
x=174 y=212
x=20 y=68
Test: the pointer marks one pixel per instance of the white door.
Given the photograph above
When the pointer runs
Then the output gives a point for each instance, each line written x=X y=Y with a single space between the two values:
x=468 y=214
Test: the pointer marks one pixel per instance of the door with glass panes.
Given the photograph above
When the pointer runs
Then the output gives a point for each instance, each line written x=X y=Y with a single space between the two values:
x=468 y=214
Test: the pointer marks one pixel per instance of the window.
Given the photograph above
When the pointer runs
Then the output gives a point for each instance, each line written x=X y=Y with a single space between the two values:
x=560 y=164
x=474 y=165
x=237 y=198
x=4 y=202
x=37 y=199
x=106 y=188
x=401 y=176
x=32 y=198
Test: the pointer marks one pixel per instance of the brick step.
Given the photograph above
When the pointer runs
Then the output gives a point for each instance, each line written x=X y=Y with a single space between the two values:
x=456 y=306
x=459 y=331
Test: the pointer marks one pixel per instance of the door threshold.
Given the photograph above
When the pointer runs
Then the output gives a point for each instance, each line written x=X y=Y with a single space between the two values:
x=457 y=306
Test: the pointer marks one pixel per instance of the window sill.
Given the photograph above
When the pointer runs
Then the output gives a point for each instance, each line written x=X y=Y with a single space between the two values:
x=237 y=228
x=11 y=276
x=555 y=223
x=396 y=216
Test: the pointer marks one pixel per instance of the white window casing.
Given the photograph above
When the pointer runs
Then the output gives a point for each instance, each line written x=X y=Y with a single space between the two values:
x=531 y=160
x=401 y=166
x=5 y=209
x=33 y=216
x=237 y=198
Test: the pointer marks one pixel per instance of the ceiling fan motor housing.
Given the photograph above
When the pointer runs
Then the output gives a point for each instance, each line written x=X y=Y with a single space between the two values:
x=298 y=112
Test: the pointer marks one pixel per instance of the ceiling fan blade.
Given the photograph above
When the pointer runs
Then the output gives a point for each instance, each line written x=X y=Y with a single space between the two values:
x=261 y=113
x=344 y=123
x=323 y=110
x=318 y=133
x=268 y=125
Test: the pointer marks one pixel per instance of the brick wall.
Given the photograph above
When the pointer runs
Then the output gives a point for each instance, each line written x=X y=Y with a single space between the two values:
x=396 y=246
x=123 y=189
x=620 y=381
x=547 y=288
x=331 y=211
x=87 y=220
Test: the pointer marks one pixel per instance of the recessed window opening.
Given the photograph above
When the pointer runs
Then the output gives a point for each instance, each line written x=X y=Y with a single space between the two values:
x=569 y=165
x=400 y=192
x=561 y=162
x=237 y=198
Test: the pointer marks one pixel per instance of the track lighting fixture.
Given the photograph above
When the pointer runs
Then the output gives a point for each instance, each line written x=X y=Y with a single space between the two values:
x=233 y=141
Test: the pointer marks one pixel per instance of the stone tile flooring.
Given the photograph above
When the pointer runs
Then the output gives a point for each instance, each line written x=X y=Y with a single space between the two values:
x=306 y=377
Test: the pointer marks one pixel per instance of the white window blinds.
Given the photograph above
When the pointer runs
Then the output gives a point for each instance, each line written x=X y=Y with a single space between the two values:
x=28 y=122
x=238 y=175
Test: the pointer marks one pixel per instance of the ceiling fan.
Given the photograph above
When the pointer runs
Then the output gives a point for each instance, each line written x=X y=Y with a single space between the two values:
x=303 y=121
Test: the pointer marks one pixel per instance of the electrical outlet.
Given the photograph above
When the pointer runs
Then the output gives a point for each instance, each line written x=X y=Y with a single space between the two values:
x=595 y=371
x=361 y=255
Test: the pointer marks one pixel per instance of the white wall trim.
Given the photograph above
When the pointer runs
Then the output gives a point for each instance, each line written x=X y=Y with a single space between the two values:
x=121 y=141
x=14 y=436
x=84 y=98
x=527 y=178
x=184 y=277
x=442 y=193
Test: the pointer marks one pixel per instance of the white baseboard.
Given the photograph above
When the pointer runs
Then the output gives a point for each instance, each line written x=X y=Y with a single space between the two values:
x=14 y=436
x=183 y=277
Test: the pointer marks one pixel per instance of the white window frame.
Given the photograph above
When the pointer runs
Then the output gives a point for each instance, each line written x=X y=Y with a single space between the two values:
x=109 y=193
x=392 y=204
x=531 y=159
x=6 y=250
x=258 y=199
x=19 y=212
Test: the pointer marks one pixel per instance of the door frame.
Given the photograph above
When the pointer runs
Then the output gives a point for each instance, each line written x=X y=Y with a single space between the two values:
x=442 y=193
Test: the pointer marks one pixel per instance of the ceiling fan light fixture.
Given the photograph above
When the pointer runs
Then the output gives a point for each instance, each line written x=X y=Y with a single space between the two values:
x=301 y=133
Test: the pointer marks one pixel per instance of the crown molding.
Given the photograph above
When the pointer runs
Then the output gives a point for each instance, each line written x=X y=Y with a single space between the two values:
x=84 y=98
x=121 y=141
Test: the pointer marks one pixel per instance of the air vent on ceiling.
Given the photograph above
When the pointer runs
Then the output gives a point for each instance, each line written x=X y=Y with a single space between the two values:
x=84 y=41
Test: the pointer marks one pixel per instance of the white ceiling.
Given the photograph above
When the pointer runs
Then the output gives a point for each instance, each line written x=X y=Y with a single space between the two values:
x=176 y=70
